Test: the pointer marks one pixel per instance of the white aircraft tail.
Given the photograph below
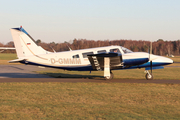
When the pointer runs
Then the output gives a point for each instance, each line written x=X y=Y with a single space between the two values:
x=25 y=44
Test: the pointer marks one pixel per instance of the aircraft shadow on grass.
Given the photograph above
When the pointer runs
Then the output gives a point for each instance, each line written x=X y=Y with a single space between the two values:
x=48 y=75
x=22 y=75
x=66 y=75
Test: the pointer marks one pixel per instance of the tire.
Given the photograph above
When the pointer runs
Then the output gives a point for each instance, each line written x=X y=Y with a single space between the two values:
x=111 y=76
x=149 y=76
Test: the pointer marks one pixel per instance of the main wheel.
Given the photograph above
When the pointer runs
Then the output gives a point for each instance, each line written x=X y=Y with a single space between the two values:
x=111 y=76
x=149 y=76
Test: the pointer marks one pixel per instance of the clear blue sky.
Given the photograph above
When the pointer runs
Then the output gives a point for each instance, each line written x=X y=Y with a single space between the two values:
x=64 y=20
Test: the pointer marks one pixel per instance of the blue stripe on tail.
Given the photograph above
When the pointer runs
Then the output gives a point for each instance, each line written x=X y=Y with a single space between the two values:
x=21 y=29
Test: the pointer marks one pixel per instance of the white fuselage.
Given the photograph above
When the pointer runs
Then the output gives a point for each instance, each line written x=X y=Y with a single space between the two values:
x=78 y=58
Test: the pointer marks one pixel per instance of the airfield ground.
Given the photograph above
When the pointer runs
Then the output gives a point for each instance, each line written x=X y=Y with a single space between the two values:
x=87 y=100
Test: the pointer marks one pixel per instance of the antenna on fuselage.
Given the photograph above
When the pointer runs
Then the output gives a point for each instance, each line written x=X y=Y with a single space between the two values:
x=53 y=49
x=68 y=47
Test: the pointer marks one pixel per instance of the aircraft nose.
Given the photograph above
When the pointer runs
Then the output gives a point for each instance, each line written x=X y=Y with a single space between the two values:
x=168 y=60
x=162 y=60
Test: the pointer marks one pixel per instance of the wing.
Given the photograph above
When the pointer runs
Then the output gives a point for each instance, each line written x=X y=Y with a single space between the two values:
x=98 y=61
x=110 y=61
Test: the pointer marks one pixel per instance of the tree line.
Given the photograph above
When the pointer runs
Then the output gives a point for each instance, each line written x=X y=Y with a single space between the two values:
x=159 y=47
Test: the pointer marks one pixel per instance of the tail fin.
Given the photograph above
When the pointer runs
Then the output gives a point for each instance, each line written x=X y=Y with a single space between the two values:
x=25 y=44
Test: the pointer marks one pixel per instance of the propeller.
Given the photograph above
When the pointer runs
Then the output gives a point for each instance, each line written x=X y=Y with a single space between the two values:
x=150 y=52
x=68 y=46
x=149 y=76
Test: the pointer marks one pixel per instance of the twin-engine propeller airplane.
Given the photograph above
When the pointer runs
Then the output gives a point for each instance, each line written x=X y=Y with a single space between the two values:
x=93 y=59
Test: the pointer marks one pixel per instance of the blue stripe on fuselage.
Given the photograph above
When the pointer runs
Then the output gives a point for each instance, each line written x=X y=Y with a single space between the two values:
x=148 y=64
x=75 y=68
x=132 y=62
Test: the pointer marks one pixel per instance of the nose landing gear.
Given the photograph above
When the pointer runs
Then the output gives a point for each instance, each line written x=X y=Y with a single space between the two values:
x=149 y=76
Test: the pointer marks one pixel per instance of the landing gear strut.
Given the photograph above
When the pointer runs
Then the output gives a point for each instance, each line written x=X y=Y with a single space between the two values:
x=107 y=71
x=149 y=76
x=109 y=77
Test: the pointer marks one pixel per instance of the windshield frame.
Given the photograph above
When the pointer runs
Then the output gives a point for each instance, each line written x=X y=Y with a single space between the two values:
x=125 y=50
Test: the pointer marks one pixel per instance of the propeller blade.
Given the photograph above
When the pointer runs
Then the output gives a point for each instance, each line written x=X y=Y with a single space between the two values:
x=151 y=48
x=151 y=66
x=149 y=56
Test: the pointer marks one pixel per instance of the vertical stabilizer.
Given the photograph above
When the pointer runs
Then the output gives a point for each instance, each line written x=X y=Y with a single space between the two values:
x=25 y=44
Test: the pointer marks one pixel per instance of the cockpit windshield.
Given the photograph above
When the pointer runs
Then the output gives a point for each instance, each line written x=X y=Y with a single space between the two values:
x=125 y=50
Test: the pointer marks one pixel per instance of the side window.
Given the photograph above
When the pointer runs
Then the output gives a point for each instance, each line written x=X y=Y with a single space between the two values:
x=116 y=50
x=87 y=53
x=101 y=51
x=75 y=56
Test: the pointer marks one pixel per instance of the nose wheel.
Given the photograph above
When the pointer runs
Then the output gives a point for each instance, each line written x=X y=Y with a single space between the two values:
x=149 y=76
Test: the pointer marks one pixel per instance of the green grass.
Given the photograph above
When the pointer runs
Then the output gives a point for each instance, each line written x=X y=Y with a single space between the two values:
x=175 y=59
x=91 y=101
x=7 y=56
x=76 y=101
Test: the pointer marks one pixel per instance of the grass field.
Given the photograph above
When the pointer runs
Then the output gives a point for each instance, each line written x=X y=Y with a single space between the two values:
x=7 y=56
x=4 y=58
x=91 y=101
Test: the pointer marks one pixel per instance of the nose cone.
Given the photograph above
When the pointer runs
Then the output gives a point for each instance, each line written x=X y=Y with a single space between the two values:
x=168 y=60
x=163 y=60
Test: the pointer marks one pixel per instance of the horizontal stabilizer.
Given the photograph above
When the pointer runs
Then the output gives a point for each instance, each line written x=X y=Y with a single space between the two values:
x=7 y=48
x=16 y=60
x=158 y=67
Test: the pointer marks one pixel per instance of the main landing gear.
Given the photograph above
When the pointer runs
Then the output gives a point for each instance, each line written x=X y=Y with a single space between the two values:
x=109 y=77
x=149 y=76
